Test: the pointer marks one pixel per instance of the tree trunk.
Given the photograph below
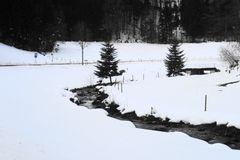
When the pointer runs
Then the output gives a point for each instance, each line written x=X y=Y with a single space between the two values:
x=110 y=77
x=82 y=57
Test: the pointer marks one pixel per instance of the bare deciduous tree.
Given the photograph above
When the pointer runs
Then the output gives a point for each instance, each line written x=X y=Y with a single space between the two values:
x=231 y=55
x=83 y=45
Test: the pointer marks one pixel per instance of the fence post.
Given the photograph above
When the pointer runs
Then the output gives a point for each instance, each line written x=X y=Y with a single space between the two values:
x=121 y=88
x=205 y=109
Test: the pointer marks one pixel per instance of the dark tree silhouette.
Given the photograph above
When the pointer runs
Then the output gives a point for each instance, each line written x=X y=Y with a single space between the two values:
x=175 y=60
x=107 y=67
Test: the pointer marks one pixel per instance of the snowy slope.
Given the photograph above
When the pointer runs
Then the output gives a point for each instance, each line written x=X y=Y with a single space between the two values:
x=200 y=54
x=37 y=121
x=11 y=56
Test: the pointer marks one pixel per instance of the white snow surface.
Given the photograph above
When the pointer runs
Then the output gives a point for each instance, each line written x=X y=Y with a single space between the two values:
x=181 y=98
x=201 y=54
x=37 y=120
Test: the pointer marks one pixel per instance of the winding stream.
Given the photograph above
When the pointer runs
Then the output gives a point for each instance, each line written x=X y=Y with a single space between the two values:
x=93 y=98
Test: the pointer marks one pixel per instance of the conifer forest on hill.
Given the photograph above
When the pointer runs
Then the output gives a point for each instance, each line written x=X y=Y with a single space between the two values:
x=37 y=25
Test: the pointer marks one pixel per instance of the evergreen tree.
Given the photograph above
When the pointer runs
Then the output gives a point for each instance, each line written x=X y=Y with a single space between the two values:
x=107 y=67
x=174 y=60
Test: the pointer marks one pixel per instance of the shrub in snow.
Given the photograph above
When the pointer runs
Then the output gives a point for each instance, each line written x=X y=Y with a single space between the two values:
x=174 y=60
x=107 y=67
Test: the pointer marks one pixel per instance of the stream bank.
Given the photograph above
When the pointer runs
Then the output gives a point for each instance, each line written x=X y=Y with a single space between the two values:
x=92 y=98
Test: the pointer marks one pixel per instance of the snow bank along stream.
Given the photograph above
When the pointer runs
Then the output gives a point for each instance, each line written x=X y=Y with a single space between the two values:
x=92 y=98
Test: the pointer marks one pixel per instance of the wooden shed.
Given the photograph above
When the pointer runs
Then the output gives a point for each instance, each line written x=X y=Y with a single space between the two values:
x=200 y=71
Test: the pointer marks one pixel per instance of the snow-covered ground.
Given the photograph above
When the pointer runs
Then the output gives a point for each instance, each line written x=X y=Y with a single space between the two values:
x=37 y=120
x=201 y=54
x=182 y=98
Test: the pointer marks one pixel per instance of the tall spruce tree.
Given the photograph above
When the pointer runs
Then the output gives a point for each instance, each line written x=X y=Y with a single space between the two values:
x=174 y=60
x=107 y=67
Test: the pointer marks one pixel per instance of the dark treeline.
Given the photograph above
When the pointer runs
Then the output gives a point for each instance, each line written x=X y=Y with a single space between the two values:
x=215 y=20
x=38 y=24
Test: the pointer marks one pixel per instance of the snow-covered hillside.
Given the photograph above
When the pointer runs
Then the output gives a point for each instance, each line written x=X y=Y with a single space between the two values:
x=38 y=121
x=199 y=54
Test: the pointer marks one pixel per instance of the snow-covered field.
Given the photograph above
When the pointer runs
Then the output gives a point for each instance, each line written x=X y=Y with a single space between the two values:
x=37 y=120
x=70 y=52
x=182 y=98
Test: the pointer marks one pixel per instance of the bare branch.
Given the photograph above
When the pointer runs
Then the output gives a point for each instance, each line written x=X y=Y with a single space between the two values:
x=231 y=55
